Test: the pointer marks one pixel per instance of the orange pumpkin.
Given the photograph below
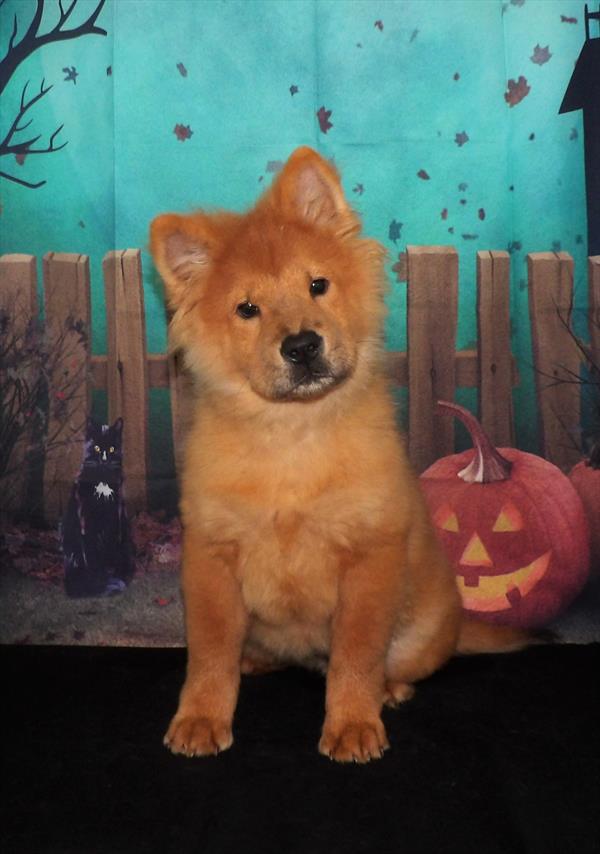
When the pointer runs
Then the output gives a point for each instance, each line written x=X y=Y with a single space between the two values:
x=513 y=527
x=585 y=477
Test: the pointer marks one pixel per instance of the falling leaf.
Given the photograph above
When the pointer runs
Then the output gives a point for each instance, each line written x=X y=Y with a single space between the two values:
x=444 y=213
x=541 y=55
x=514 y=246
x=456 y=76
x=394 y=230
x=20 y=158
x=517 y=90
x=294 y=89
x=109 y=71
x=323 y=117
x=422 y=174
x=182 y=132
x=463 y=201
x=578 y=239
x=531 y=137
x=517 y=2
x=463 y=186
x=379 y=25
x=451 y=229
x=566 y=20
x=81 y=224
x=413 y=36
x=182 y=69
x=461 y=138
x=573 y=134
x=470 y=236
x=71 y=74
x=481 y=213
x=358 y=189
x=556 y=245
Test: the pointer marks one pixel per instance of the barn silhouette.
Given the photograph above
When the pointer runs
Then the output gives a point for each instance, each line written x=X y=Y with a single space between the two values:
x=583 y=93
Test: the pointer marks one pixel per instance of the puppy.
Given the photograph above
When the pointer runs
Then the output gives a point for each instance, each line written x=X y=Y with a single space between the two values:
x=306 y=536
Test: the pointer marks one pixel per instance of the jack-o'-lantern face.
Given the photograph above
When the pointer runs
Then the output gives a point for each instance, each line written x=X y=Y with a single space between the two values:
x=497 y=561
x=511 y=525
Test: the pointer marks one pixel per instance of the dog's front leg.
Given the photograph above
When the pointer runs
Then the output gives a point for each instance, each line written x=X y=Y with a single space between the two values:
x=215 y=620
x=368 y=607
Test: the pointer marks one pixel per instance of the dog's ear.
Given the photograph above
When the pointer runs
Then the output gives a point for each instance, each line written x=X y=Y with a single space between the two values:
x=309 y=188
x=182 y=248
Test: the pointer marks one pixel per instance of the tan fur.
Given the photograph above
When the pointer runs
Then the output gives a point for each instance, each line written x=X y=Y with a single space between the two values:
x=306 y=537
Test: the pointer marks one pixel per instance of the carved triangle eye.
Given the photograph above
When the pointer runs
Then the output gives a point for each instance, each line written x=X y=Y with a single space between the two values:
x=446 y=519
x=509 y=519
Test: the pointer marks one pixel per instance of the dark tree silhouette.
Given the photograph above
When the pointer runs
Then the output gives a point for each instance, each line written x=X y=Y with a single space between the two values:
x=18 y=51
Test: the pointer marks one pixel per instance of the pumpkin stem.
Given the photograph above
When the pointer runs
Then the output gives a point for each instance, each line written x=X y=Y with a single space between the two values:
x=594 y=458
x=488 y=464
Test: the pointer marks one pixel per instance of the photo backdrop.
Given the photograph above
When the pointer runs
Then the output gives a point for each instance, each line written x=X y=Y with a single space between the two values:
x=441 y=116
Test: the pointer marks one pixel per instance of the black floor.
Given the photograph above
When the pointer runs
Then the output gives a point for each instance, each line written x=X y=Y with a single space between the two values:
x=494 y=754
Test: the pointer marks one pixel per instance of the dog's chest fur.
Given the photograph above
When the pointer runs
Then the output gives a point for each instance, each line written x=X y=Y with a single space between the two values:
x=298 y=504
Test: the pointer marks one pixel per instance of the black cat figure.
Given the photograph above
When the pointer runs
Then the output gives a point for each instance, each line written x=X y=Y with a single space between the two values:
x=96 y=545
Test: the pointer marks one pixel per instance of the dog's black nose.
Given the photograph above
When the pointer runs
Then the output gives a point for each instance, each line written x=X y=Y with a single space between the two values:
x=302 y=348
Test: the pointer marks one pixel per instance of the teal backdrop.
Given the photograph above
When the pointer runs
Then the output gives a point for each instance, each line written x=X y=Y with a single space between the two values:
x=194 y=103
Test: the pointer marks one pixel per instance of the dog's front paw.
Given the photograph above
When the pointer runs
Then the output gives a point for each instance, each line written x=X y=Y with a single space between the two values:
x=354 y=741
x=194 y=735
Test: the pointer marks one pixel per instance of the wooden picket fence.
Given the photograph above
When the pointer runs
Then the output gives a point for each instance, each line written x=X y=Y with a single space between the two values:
x=431 y=367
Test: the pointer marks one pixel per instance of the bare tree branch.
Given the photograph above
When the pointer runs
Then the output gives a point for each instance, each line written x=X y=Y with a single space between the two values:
x=32 y=40
x=14 y=33
x=19 y=51
x=33 y=357
x=25 y=146
x=571 y=377
x=20 y=181
x=14 y=128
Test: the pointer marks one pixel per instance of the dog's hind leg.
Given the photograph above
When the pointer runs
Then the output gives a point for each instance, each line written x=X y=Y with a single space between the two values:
x=420 y=647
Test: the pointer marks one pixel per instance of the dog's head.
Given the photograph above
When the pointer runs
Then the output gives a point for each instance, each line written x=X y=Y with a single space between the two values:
x=286 y=301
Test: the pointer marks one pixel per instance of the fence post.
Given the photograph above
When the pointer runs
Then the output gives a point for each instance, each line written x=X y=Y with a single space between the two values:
x=556 y=358
x=182 y=404
x=432 y=303
x=68 y=327
x=493 y=347
x=19 y=305
x=594 y=307
x=127 y=367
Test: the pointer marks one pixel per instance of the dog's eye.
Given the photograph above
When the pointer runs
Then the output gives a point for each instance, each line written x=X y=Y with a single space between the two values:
x=318 y=287
x=97 y=449
x=247 y=310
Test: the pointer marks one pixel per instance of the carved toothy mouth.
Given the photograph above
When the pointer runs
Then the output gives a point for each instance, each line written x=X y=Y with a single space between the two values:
x=500 y=592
